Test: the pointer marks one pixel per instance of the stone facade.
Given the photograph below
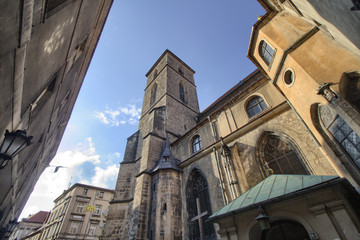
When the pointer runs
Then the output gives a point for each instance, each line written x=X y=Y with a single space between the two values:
x=284 y=119
x=229 y=157
x=45 y=50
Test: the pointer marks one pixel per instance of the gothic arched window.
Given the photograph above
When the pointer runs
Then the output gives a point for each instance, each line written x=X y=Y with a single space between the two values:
x=281 y=157
x=198 y=208
x=153 y=94
x=266 y=52
x=195 y=144
x=343 y=134
x=181 y=92
x=255 y=105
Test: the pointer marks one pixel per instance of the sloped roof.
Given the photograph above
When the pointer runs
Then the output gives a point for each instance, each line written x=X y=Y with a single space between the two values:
x=39 y=217
x=167 y=160
x=272 y=187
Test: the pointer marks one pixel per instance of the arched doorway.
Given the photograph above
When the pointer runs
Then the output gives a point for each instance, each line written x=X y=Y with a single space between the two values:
x=198 y=208
x=285 y=230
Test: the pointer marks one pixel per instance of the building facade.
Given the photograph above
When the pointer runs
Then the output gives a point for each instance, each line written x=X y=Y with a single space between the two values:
x=29 y=225
x=79 y=213
x=45 y=50
x=282 y=143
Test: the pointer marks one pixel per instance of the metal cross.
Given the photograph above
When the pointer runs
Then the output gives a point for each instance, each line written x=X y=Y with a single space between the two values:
x=198 y=218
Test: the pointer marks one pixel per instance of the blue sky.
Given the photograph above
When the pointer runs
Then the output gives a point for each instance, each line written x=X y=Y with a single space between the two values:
x=211 y=36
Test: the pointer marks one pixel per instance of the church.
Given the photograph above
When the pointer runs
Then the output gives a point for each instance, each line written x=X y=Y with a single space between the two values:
x=276 y=157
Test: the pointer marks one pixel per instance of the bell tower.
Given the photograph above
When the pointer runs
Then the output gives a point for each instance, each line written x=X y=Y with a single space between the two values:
x=170 y=106
x=169 y=109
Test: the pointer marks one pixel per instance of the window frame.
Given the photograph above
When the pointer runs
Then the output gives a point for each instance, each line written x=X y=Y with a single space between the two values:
x=153 y=94
x=289 y=75
x=74 y=225
x=181 y=92
x=253 y=106
x=80 y=207
x=92 y=229
x=97 y=210
x=48 y=12
x=265 y=50
x=101 y=194
x=332 y=131
x=284 y=157
x=196 y=144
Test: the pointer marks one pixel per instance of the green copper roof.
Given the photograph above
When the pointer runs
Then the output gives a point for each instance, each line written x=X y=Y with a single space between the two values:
x=272 y=187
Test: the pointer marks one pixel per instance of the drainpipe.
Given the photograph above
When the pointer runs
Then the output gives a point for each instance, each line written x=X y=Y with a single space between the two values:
x=221 y=179
x=212 y=128
x=217 y=161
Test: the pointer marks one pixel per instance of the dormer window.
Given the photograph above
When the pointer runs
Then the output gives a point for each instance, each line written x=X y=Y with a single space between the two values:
x=266 y=52
x=165 y=158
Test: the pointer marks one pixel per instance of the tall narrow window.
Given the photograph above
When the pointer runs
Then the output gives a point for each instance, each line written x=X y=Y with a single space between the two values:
x=153 y=94
x=347 y=138
x=255 y=106
x=45 y=94
x=281 y=157
x=196 y=144
x=80 y=207
x=74 y=227
x=181 y=92
x=53 y=6
x=85 y=191
x=198 y=207
x=266 y=52
x=97 y=210
x=92 y=229
x=350 y=89
x=342 y=133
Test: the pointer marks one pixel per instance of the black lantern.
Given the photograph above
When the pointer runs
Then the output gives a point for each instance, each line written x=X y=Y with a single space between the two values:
x=263 y=219
x=13 y=144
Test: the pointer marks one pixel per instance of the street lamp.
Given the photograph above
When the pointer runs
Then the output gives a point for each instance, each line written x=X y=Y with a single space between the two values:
x=13 y=144
x=263 y=219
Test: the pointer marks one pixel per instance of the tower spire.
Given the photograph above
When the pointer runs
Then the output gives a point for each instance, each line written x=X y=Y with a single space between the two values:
x=167 y=160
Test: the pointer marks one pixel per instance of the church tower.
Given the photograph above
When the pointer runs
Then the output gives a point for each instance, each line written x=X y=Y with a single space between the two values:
x=169 y=109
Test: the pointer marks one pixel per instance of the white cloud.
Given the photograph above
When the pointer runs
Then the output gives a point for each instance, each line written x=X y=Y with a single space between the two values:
x=101 y=116
x=112 y=158
x=51 y=185
x=104 y=176
x=121 y=116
